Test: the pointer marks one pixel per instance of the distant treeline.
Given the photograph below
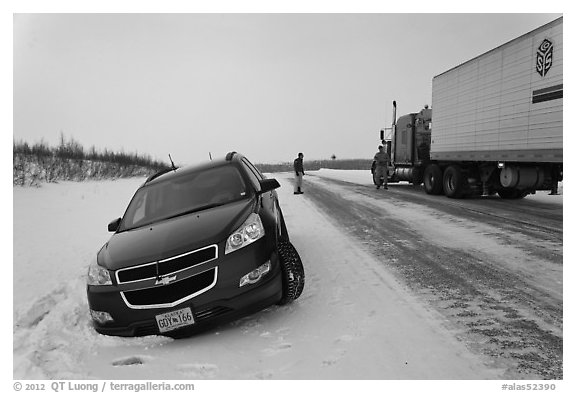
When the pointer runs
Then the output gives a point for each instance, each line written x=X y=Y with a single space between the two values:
x=317 y=164
x=40 y=163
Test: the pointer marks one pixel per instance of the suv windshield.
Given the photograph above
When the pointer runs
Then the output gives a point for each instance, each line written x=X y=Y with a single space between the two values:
x=184 y=194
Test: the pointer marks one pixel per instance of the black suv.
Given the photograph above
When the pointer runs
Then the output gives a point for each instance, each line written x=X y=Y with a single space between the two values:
x=196 y=246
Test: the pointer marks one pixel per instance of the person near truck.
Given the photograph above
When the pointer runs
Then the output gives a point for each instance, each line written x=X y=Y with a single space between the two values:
x=382 y=160
x=299 y=172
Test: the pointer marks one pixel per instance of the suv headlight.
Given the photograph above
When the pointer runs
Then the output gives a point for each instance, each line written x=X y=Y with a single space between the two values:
x=250 y=231
x=97 y=275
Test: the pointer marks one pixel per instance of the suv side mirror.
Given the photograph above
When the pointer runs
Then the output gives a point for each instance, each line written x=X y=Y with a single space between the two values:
x=114 y=225
x=268 y=185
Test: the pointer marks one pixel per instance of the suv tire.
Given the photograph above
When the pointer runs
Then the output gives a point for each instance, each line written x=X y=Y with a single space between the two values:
x=292 y=272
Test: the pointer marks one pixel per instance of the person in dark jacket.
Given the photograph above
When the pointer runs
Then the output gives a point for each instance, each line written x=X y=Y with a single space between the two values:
x=299 y=172
x=382 y=160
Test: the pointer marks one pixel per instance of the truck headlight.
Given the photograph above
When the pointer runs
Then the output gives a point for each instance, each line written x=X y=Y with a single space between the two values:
x=250 y=231
x=97 y=275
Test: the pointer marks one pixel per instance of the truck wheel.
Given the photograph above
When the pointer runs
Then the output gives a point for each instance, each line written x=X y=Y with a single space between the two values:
x=292 y=272
x=453 y=182
x=433 y=180
x=511 y=193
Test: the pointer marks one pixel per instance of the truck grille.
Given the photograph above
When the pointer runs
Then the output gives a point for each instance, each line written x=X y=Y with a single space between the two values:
x=167 y=266
x=172 y=294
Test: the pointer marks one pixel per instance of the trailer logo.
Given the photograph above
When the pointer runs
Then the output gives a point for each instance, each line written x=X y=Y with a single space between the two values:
x=544 y=57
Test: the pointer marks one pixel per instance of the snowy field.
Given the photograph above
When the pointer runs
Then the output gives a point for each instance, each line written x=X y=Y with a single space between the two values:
x=353 y=321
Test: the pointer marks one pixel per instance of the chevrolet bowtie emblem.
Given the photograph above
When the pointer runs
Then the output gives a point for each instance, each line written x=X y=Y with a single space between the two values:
x=165 y=280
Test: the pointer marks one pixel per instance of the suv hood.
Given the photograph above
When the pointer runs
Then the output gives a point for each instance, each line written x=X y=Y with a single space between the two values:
x=174 y=236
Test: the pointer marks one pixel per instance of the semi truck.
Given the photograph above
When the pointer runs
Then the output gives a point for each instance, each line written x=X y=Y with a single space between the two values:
x=495 y=125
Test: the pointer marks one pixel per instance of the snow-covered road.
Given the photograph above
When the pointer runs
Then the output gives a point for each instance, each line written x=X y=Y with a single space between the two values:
x=353 y=321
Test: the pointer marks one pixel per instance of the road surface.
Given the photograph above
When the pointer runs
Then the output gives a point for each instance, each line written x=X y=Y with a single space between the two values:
x=491 y=267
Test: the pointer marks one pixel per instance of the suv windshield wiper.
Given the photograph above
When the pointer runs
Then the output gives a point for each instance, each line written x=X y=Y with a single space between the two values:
x=196 y=209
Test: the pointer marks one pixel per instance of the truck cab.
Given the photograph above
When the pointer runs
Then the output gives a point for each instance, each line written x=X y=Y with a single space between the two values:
x=409 y=145
x=411 y=138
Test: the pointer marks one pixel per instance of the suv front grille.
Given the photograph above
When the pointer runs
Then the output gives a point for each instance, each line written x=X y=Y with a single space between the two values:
x=172 y=294
x=167 y=266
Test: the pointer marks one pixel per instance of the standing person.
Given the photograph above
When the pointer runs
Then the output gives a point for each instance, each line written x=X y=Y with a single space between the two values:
x=382 y=160
x=299 y=171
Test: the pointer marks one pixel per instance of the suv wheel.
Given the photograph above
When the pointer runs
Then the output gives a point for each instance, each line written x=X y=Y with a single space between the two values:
x=292 y=272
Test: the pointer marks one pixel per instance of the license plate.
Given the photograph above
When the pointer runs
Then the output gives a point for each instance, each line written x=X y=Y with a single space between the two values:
x=174 y=319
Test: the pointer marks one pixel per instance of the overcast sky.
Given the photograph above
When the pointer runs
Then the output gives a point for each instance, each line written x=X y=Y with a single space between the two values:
x=266 y=85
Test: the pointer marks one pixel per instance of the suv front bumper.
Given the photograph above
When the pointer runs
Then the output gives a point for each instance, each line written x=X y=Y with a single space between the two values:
x=224 y=300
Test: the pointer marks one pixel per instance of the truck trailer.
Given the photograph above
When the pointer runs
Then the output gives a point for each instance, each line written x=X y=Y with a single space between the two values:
x=495 y=125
